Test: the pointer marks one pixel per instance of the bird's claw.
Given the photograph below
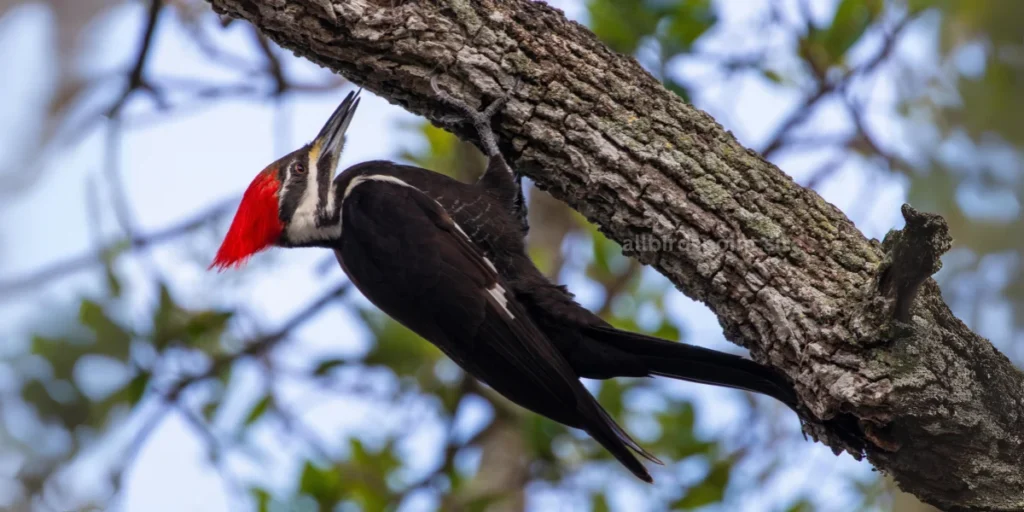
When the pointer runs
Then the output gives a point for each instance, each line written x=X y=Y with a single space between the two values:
x=494 y=107
x=481 y=119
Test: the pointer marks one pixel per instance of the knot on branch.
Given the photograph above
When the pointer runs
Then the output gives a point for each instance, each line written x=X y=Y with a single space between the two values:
x=913 y=254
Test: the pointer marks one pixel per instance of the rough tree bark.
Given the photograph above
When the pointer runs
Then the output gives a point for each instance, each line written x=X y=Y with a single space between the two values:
x=858 y=325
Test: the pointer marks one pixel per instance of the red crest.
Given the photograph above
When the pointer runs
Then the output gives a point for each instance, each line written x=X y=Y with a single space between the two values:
x=256 y=225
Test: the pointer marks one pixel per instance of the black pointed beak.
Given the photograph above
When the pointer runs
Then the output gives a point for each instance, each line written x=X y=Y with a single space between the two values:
x=331 y=139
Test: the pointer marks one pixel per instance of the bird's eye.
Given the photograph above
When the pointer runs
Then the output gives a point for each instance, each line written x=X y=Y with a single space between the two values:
x=299 y=169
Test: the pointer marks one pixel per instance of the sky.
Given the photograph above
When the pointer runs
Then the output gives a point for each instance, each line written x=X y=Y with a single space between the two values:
x=178 y=165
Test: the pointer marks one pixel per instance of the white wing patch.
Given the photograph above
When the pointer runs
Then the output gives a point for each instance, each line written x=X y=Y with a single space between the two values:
x=458 y=227
x=490 y=265
x=498 y=292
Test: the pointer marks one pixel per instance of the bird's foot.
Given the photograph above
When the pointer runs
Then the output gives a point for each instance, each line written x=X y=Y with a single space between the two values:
x=481 y=119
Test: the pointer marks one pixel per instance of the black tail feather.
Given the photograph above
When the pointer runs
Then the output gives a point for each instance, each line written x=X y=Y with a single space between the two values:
x=622 y=447
x=626 y=439
x=623 y=454
x=602 y=427
x=698 y=364
x=694 y=364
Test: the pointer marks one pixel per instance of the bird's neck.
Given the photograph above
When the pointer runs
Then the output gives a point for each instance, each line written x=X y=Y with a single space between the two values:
x=319 y=227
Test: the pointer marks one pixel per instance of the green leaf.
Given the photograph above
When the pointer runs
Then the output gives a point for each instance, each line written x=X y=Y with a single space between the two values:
x=916 y=6
x=690 y=20
x=450 y=396
x=261 y=497
x=35 y=393
x=667 y=331
x=543 y=257
x=772 y=76
x=204 y=329
x=852 y=18
x=258 y=410
x=108 y=257
x=128 y=395
x=62 y=353
x=358 y=451
x=802 y=505
x=610 y=397
x=622 y=24
x=812 y=50
x=711 y=490
x=323 y=484
x=136 y=388
x=600 y=269
x=539 y=433
x=678 y=440
x=625 y=24
x=111 y=339
x=397 y=347
x=378 y=463
x=327 y=365
x=678 y=88
x=165 y=320
x=608 y=259
x=199 y=329
x=209 y=409
x=483 y=503
x=113 y=283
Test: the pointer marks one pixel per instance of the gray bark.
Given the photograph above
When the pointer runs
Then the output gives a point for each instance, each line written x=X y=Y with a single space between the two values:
x=858 y=325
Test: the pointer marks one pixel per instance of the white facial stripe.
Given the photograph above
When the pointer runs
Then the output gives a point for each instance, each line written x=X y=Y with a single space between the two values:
x=284 y=187
x=303 y=227
x=330 y=193
x=310 y=196
x=498 y=292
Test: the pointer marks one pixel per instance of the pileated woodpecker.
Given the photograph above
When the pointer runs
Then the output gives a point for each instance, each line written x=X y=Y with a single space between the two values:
x=447 y=260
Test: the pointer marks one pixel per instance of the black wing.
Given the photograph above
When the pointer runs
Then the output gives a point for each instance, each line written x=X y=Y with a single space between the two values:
x=410 y=259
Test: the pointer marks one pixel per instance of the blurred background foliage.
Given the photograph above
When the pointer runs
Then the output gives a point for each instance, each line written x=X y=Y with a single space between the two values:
x=918 y=96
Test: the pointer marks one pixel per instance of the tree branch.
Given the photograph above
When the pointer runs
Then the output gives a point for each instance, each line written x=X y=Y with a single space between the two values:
x=136 y=77
x=825 y=87
x=259 y=345
x=787 y=274
x=11 y=289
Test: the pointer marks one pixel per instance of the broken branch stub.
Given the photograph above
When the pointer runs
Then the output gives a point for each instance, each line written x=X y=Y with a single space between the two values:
x=913 y=254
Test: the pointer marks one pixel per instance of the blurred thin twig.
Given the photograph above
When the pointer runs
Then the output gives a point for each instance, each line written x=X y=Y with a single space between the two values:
x=10 y=289
x=136 y=77
x=825 y=88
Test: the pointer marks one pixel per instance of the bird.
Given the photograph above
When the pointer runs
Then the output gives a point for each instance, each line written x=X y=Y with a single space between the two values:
x=448 y=260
